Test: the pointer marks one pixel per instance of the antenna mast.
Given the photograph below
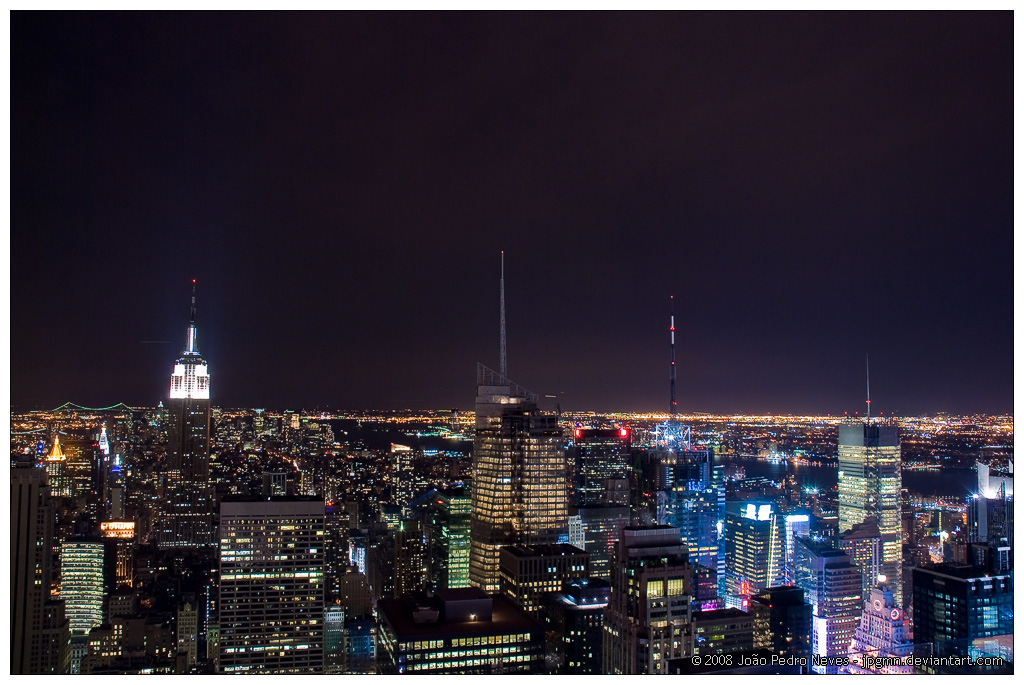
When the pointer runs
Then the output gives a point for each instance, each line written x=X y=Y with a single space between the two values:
x=503 y=362
x=672 y=347
x=867 y=372
x=192 y=318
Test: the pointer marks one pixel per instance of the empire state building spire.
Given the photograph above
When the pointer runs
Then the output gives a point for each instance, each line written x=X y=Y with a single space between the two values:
x=190 y=344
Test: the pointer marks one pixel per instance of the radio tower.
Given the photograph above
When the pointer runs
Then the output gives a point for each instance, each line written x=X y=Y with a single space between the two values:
x=503 y=368
x=672 y=363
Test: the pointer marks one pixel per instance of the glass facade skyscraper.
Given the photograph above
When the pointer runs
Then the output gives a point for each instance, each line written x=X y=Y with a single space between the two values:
x=519 y=476
x=869 y=487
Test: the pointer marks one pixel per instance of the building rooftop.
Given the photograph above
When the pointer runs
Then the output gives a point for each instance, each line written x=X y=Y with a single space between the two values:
x=506 y=617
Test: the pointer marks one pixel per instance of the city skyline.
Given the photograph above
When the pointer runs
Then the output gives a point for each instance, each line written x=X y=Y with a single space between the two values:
x=341 y=187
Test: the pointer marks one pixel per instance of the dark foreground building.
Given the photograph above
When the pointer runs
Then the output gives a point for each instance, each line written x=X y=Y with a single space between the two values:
x=458 y=631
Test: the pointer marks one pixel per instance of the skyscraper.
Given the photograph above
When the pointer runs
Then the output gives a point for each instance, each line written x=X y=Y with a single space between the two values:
x=869 y=487
x=832 y=586
x=84 y=582
x=187 y=519
x=56 y=471
x=39 y=630
x=272 y=586
x=519 y=471
x=601 y=459
x=754 y=544
x=647 y=621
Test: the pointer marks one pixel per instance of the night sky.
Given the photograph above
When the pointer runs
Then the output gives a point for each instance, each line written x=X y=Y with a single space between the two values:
x=811 y=188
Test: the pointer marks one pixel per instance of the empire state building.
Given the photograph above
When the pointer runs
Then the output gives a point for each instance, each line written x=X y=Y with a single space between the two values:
x=187 y=519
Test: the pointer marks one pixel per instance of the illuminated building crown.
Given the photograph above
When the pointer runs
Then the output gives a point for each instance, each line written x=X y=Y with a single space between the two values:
x=190 y=378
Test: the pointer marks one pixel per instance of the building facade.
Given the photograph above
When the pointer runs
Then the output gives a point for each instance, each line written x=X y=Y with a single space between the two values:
x=869 y=487
x=271 y=601
x=519 y=476
x=647 y=621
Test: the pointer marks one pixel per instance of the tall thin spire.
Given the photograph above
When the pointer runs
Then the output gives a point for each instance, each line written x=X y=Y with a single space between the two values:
x=867 y=373
x=190 y=347
x=503 y=368
x=672 y=348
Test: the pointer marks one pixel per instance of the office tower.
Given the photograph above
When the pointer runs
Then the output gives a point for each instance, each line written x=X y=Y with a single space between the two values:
x=336 y=526
x=574 y=619
x=691 y=504
x=84 y=582
x=722 y=631
x=39 y=629
x=79 y=471
x=832 y=586
x=647 y=621
x=56 y=471
x=122 y=534
x=797 y=525
x=271 y=601
x=410 y=560
x=334 y=640
x=869 y=487
x=187 y=632
x=863 y=544
x=519 y=482
x=520 y=488
x=880 y=643
x=187 y=519
x=448 y=519
x=402 y=478
x=962 y=610
x=753 y=550
x=990 y=511
x=602 y=526
x=116 y=491
x=460 y=631
x=527 y=573
x=602 y=461
x=782 y=622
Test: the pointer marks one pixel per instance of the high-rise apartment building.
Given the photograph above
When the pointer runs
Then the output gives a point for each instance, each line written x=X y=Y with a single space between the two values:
x=271 y=603
x=39 y=629
x=519 y=481
x=647 y=621
x=869 y=487
x=187 y=519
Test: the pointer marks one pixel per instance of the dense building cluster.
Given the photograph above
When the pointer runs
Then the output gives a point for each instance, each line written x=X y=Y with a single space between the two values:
x=188 y=538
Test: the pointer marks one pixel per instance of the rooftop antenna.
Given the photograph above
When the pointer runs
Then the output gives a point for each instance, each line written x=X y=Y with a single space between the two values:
x=192 y=319
x=503 y=362
x=867 y=371
x=672 y=347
